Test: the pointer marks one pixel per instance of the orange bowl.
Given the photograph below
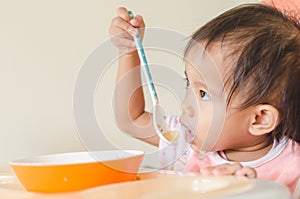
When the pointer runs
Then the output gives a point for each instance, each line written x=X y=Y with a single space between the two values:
x=77 y=171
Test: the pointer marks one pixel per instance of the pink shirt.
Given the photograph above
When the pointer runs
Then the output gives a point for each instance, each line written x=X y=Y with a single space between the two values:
x=280 y=164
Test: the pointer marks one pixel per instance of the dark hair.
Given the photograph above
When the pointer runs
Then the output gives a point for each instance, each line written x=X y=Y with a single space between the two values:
x=265 y=46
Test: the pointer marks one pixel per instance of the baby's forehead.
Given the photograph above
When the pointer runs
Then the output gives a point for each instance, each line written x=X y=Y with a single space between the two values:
x=215 y=57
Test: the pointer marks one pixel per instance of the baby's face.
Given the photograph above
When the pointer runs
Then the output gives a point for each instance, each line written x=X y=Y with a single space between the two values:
x=211 y=125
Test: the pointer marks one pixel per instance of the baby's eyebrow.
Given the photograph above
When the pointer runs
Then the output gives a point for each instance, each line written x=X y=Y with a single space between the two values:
x=210 y=89
x=200 y=84
x=203 y=85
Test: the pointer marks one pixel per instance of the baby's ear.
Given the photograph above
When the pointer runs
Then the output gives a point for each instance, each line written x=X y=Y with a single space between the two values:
x=264 y=119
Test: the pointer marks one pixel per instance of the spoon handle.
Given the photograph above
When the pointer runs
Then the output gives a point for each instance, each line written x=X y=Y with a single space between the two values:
x=144 y=64
x=159 y=118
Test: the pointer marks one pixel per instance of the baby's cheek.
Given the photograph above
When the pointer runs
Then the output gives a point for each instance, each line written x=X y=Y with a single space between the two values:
x=206 y=134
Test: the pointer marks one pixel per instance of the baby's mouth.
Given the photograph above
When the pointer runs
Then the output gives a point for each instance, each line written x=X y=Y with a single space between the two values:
x=188 y=134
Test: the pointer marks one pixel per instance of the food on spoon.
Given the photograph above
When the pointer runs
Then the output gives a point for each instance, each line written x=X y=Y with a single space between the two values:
x=170 y=135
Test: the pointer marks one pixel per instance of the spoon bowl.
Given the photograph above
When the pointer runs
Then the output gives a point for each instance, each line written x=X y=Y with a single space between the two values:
x=161 y=126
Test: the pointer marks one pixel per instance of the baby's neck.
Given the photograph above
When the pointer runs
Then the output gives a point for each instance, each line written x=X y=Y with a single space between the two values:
x=249 y=153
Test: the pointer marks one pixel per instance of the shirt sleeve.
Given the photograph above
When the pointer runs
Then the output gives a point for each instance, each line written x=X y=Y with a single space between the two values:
x=284 y=168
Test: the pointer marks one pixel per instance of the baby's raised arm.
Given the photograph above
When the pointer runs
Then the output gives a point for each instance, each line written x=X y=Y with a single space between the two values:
x=129 y=103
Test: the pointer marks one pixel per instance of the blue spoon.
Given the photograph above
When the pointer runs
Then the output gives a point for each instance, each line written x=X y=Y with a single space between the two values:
x=158 y=113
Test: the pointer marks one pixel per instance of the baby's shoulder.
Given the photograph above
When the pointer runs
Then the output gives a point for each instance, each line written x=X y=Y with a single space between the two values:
x=290 y=158
x=293 y=149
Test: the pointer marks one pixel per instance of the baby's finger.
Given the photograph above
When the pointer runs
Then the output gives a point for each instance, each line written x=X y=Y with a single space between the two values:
x=224 y=169
x=230 y=168
x=137 y=21
x=123 y=13
x=207 y=170
x=118 y=32
x=123 y=42
x=119 y=23
x=246 y=171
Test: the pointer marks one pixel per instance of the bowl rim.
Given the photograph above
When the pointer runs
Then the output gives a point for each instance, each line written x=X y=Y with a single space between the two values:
x=38 y=160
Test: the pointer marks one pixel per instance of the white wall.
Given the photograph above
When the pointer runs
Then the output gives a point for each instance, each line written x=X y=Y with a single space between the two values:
x=43 y=44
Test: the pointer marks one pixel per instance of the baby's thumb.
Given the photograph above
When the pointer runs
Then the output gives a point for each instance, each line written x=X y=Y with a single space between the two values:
x=138 y=21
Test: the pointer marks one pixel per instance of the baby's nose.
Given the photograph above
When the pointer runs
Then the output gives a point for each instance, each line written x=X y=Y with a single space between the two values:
x=187 y=110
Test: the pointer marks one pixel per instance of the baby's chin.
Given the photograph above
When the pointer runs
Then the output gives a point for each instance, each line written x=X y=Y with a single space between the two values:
x=200 y=147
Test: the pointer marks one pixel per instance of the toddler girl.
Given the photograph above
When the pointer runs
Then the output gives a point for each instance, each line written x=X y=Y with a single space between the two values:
x=250 y=124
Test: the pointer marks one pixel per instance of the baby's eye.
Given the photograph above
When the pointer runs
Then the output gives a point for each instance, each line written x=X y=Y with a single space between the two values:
x=204 y=95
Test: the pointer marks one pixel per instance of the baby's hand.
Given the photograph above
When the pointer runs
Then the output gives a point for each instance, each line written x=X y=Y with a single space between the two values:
x=122 y=28
x=229 y=169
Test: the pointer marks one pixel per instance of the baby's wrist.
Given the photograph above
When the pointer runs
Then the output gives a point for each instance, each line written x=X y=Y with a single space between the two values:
x=128 y=54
